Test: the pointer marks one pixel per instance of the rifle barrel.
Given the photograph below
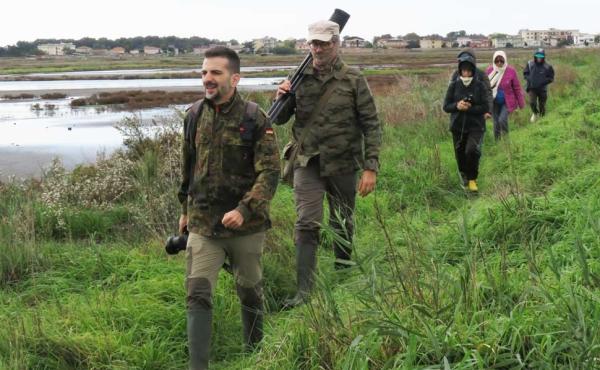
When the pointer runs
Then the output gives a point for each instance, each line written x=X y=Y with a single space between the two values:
x=341 y=18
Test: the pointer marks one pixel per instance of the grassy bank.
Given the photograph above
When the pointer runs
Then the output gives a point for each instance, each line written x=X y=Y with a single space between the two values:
x=411 y=58
x=506 y=279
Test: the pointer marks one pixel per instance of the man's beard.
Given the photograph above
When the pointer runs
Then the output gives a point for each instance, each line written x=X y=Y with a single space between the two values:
x=324 y=60
x=217 y=94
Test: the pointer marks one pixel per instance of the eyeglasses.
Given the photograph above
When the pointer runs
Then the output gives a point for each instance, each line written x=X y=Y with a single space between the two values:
x=499 y=61
x=323 y=45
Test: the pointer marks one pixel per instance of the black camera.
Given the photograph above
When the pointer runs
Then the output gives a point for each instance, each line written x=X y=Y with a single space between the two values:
x=177 y=243
x=468 y=99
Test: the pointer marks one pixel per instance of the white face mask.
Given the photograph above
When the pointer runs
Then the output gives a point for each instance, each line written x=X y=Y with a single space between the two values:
x=466 y=80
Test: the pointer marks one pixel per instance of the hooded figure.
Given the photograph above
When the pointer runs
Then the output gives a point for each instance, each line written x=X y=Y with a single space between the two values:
x=468 y=53
x=467 y=102
x=538 y=74
x=506 y=91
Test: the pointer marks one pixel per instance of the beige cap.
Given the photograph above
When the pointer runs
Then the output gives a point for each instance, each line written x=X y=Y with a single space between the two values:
x=323 y=31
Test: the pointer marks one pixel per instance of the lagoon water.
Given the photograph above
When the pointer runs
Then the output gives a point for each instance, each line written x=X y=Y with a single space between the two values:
x=73 y=86
x=30 y=138
x=32 y=134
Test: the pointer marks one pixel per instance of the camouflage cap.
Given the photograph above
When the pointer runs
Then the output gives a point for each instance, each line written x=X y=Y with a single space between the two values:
x=323 y=31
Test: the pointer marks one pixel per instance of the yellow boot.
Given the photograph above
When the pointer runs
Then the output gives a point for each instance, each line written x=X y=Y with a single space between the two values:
x=472 y=186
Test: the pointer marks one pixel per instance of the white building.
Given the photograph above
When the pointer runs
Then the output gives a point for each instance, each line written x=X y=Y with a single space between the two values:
x=508 y=42
x=464 y=41
x=56 y=49
x=353 y=42
x=552 y=36
x=584 y=39
x=151 y=50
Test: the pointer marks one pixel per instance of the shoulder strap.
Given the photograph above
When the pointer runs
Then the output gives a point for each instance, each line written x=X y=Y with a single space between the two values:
x=321 y=103
x=190 y=128
x=248 y=124
x=189 y=131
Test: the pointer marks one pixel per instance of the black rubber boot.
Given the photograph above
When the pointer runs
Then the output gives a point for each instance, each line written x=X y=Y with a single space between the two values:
x=252 y=315
x=306 y=262
x=199 y=327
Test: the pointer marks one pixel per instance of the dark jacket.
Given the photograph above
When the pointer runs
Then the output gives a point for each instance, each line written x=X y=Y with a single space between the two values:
x=538 y=75
x=478 y=74
x=473 y=119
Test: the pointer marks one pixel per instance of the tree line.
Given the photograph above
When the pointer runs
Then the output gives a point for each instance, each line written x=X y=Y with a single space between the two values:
x=23 y=48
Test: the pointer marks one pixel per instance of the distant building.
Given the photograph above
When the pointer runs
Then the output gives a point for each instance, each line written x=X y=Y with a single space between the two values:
x=237 y=48
x=117 y=50
x=584 y=39
x=264 y=45
x=353 y=42
x=552 y=37
x=134 y=52
x=151 y=50
x=301 y=44
x=392 y=43
x=433 y=42
x=172 y=50
x=85 y=50
x=480 y=42
x=56 y=49
x=199 y=50
x=464 y=41
x=508 y=42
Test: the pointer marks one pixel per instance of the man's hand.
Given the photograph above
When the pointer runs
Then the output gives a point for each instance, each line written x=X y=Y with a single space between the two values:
x=284 y=88
x=367 y=183
x=463 y=105
x=487 y=116
x=233 y=220
x=183 y=220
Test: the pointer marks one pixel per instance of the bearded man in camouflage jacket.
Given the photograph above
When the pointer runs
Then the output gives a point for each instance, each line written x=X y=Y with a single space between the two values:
x=343 y=138
x=230 y=172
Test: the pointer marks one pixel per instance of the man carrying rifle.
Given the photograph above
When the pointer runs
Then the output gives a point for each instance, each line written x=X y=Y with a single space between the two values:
x=337 y=133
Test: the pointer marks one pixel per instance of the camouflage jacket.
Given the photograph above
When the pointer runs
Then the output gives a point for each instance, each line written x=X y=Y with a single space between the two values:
x=237 y=167
x=346 y=134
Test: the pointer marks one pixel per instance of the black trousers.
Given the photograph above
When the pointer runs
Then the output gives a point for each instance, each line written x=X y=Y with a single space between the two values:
x=537 y=100
x=467 y=149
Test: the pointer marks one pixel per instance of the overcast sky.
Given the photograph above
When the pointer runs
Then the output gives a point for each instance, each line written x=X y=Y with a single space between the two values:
x=28 y=20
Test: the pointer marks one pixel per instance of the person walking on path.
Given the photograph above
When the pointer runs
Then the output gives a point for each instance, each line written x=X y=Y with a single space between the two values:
x=230 y=171
x=506 y=90
x=337 y=133
x=467 y=102
x=539 y=74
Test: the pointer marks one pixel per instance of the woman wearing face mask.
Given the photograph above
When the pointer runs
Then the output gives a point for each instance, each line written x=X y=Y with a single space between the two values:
x=506 y=90
x=466 y=102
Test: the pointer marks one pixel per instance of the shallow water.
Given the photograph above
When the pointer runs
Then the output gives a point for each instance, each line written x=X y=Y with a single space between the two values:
x=30 y=138
x=69 y=86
